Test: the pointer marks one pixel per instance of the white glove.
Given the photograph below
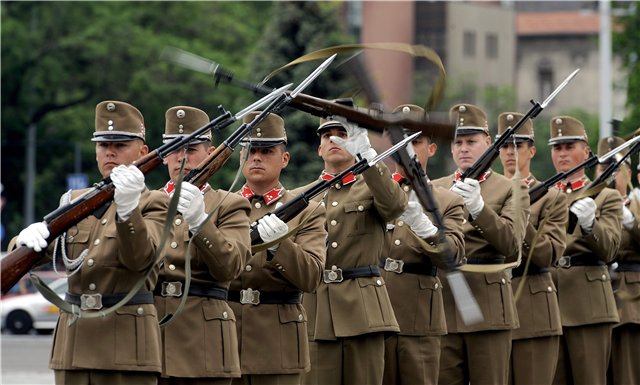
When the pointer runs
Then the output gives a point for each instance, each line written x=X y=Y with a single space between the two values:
x=585 y=211
x=417 y=220
x=34 y=236
x=270 y=228
x=627 y=218
x=191 y=206
x=357 y=141
x=469 y=190
x=129 y=183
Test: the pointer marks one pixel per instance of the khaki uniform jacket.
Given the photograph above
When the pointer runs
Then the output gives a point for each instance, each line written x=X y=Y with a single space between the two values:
x=584 y=292
x=202 y=340
x=629 y=281
x=273 y=337
x=538 y=310
x=417 y=299
x=497 y=232
x=357 y=216
x=118 y=256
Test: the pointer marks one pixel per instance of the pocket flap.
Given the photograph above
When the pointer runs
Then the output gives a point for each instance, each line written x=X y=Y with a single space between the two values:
x=497 y=277
x=370 y=281
x=133 y=310
x=288 y=313
x=597 y=274
x=358 y=206
x=212 y=311
x=81 y=236
x=427 y=282
x=632 y=277
x=539 y=286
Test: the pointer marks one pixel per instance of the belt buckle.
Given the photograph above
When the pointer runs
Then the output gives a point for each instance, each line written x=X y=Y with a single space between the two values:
x=249 y=296
x=91 y=301
x=332 y=276
x=171 y=289
x=393 y=265
x=564 y=262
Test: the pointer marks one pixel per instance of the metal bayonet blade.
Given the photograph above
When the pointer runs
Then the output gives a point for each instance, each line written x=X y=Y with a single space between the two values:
x=466 y=303
x=559 y=88
x=393 y=149
x=312 y=76
x=188 y=60
x=616 y=150
x=261 y=102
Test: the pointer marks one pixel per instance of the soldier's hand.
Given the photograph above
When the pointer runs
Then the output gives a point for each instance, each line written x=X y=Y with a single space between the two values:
x=129 y=183
x=34 y=236
x=416 y=219
x=191 y=206
x=627 y=218
x=270 y=228
x=469 y=190
x=357 y=141
x=585 y=211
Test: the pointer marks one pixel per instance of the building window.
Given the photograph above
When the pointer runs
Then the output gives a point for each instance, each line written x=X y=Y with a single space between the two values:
x=491 y=46
x=545 y=79
x=469 y=44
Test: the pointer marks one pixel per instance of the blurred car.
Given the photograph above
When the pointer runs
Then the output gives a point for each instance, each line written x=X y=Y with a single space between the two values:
x=24 y=285
x=22 y=313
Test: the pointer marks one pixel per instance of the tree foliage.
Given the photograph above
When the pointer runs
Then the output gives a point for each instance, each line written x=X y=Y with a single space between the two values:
x=627 y=46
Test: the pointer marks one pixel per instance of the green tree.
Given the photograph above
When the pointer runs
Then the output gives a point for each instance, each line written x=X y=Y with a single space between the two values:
x=627 y=46
x=59 y=59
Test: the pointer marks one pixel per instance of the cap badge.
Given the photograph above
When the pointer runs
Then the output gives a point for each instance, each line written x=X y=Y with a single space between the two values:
x=509 y=118
x=180 y=114
x=111 y=107
x=462 y=108
x=406 y=110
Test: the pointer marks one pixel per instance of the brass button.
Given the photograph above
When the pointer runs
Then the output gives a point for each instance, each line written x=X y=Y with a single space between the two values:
x=338 y=186
x=436 y=285
x=503 y=281
x=397 y=242
x=90 y=262
x=104 y=221
x=333 y=222
x=334 y=244
x=258 y=205
x=549 y=289
x=604 y=277
x=225 y=315
x=300 y=317
x=174 y=244
x=361 y=208
x=92 y=286
x=405 y=188
x=379 y=282
x=178 y=221
x=248 y=268
x=96 y=242
x=334 y=203
x=172 y=267
x=400 y=223
x=140 y=311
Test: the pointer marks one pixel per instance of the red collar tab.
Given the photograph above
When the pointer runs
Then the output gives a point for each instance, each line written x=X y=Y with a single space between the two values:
x=170 y=186
x=346 y=180
x=529 y=180
x=268 y=198
x=572 y=186
x=401 y=180
x=482 y=178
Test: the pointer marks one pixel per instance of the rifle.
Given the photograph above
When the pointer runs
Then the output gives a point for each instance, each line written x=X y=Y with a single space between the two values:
x=372 y=120
x=292 y=208
x=199 y=175
x=94 y=202
x=486 y=159
x=541 y=190
x=599 y=183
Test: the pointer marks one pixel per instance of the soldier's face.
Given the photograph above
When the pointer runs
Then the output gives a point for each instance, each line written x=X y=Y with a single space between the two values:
x=566 y=156
x=194 y=155
x=424 y=149
x=332 y=154
x=113 y=154
x=508 y=157
x=466 y=149
x=264 y=164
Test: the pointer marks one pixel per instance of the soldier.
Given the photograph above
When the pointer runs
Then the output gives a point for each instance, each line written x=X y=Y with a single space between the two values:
x=625 y=340
x=413 y=356
x=272 y=324
x=200 y=345
x=350 y=311
x=537 y=339
x=496 y=210
x=106 y=256
x=587 y=306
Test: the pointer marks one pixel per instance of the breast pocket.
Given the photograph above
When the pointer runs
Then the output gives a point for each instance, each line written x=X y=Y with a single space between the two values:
x=220 y=331
x=357 y=214
x=77 y=241
x=293 y=337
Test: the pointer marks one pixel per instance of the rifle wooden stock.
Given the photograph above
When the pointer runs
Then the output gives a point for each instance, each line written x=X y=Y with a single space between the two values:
x=205 y=170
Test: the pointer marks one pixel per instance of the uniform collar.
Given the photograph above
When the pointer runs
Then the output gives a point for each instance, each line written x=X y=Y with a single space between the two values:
x=529 y=180
x=483 y=177
x=572 y=186
x=268 y=198
x=170 y=186
x=346 y=180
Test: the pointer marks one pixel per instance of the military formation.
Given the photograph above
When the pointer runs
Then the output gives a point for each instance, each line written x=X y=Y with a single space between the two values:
x=353 y=289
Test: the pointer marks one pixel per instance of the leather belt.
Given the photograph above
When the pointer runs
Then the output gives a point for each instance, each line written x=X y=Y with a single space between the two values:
x=579 y=260
x=174 y=289
x=484 y=261
x=533 y=270
x=97 y=301
x=256 y=297
x=336 y=274
x=398 y=266
x=628 y=267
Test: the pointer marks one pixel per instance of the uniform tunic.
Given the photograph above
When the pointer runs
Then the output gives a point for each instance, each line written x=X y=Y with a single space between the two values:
x=118 y=255
x=414 y=355
x=202 y=340
x=273 y=337
x=585 y=296
x=538 y=310
x=357 y=214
